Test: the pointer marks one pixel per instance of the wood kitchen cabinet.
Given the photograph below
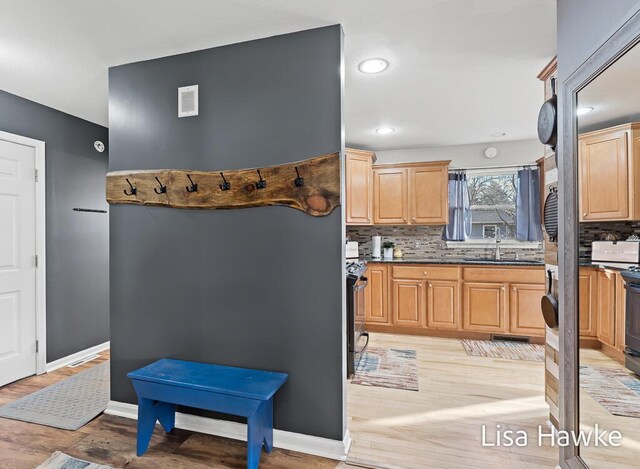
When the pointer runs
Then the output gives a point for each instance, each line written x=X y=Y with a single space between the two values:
x=609 y=184
x=376 y=294
x=359 y=186
x=443 y=304
x=588 y=291
x=409 y=302
x=484 y=307
x=524 y=309
x=620 y=312
x=412 y=193
x=429 y=194
x=606 y=308
x=390 y=196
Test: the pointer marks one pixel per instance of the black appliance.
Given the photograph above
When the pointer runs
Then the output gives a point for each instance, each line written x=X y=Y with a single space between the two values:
x=632 y=321
x=356 y=283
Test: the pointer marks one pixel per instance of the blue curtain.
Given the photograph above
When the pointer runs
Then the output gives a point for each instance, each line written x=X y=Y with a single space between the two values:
x=528 y=222
x=459 y=225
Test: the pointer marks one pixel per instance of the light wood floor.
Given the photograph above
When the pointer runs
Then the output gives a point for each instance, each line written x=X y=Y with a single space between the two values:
x=439 y=427
x=625 y=457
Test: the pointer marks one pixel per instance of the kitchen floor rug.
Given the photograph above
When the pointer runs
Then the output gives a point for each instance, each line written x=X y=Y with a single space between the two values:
x=67 y=404
x=505 y=349
x=60 y=460
x=615 y=389
x=387 y=368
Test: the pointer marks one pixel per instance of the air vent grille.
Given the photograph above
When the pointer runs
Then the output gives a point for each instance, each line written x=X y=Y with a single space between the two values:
x=188 y=101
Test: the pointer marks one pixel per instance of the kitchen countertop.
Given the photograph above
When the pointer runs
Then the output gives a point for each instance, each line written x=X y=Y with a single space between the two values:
x=433 y=260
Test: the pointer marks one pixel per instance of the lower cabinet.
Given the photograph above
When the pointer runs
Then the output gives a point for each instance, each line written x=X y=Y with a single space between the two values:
x=524 y=308
x=606 y=308
x=443 y=305
x=588 y=303
x=484 y=307
x=620 y=312
x=376 y=294
x=409 y=302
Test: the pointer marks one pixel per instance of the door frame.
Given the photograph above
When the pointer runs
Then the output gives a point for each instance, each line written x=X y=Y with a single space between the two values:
x=41 y=270
x=619 y=43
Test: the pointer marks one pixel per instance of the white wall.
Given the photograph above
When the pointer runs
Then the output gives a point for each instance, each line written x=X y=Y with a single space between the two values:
x=514 y=152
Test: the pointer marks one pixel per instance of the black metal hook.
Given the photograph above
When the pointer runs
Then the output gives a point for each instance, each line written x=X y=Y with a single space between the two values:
x=225 y=186
x=299 y=181
x=133 y=191
x=163 y=189
x=261 y=184
x=193 y=187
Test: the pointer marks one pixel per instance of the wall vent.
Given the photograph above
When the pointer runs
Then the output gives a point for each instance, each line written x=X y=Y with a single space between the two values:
x=188 y=101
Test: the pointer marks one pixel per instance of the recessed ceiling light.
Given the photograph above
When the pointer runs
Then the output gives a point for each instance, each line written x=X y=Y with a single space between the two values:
x=583 y=110
x=373 y=66
x=498 y=134
x=385 y=130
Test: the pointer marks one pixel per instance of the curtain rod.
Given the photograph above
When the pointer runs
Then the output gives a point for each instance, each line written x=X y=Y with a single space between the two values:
x=506 y=166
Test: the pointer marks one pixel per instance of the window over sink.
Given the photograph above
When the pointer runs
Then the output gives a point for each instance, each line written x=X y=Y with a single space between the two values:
x=493 y=204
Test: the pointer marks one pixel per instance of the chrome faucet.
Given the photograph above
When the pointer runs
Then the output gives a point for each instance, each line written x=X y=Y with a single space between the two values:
x=498 y=249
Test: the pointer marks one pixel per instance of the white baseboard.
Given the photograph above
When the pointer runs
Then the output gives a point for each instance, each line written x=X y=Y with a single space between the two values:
x=324 y=447
x=74 y=357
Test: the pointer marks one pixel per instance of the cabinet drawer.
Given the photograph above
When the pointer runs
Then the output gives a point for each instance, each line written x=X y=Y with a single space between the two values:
x=503 y=275
x=426 y=272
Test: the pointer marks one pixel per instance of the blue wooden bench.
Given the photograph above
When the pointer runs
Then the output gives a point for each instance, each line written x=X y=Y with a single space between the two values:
x=249 y=393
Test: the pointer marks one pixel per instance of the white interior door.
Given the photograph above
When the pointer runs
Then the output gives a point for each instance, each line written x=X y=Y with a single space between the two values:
x=17 y=262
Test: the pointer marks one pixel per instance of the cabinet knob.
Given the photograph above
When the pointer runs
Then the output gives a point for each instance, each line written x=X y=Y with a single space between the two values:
x=513 y=288
x=404 y=219
x=584 y=214
x=430 y=286
x=424 y=273
x=502 y=288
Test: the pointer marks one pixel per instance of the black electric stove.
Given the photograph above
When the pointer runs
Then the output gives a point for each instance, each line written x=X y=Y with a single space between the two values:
x=632 y=320
x=356 y=284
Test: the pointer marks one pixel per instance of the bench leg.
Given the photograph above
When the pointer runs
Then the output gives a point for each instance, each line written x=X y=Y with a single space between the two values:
x=259 y=431
x=268 y=425
x=149 y=411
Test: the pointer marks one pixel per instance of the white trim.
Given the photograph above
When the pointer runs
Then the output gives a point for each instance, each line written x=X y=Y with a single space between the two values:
x=74 y=357
x=324 y=447
x=491 y=244
x=41 y=236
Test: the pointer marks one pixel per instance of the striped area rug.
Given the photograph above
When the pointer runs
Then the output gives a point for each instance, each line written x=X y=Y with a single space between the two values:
x=388 y=368
x=60 y=460
x=615 y=389
x=504 y=349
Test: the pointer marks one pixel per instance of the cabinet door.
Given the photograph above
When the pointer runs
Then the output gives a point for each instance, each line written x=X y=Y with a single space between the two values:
x=484 y=307
x=588 y=322
x=359 y=188
x=429 y=195
x=524 y=309
x=408 y=302
x=604 y=171
x=606 y=308
x=443 y=308
x=620 y=312
x=376 y=294
x=390 y=196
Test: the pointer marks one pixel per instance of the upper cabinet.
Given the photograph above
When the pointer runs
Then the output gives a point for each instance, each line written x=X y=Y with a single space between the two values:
x=390 y=196
x=412 y=193
x=359 y=187
x=610 y=174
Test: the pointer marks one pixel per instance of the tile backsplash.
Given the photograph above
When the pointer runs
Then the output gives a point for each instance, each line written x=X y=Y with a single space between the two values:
x=590 y=232
x=426 y=241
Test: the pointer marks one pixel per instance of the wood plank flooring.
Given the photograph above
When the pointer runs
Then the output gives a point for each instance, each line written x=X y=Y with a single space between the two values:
x=437 y=427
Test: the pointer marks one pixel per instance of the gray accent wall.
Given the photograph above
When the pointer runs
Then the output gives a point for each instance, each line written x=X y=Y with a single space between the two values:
x=260 y=287
x=77 y=243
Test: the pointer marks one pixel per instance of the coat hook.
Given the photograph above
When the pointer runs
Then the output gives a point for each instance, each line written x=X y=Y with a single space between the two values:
x=163 y=189
x=133 y=191
x=299 y=181
x=193 y=187
x=225 y=186
x=261 y=184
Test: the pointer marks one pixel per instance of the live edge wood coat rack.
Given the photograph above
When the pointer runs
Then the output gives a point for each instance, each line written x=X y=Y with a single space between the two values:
x=312 y=186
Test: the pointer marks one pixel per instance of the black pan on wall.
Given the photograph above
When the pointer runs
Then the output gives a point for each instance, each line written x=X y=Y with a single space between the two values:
x=548 y=119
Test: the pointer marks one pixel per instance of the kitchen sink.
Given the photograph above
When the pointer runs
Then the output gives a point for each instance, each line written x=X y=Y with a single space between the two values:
x=501 y=261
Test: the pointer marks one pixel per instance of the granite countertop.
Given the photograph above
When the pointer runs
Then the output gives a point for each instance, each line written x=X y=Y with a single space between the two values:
x=445 y=261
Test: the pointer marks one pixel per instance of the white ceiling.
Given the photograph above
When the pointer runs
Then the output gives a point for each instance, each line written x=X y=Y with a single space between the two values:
x=613 y=95
x=460 y=69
